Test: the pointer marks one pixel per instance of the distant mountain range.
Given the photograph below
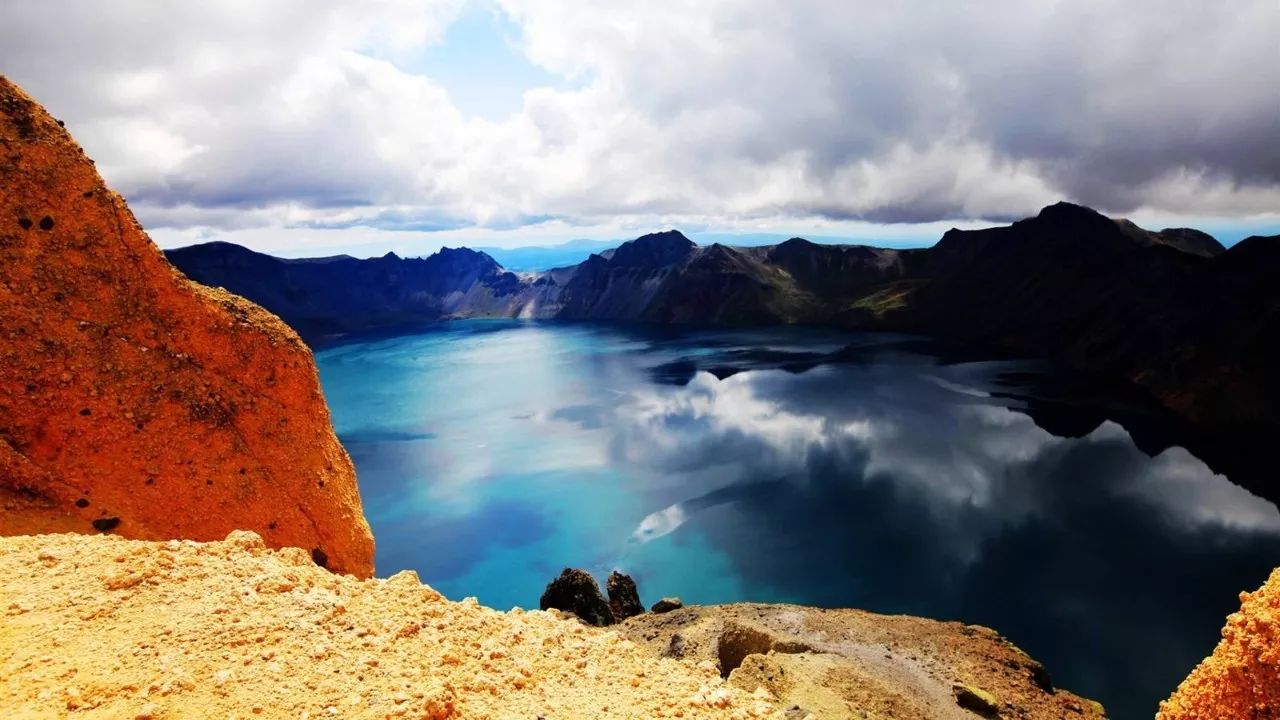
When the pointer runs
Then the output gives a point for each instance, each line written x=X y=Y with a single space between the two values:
x=536 y=259
x=1191 y=324
x=542 y=258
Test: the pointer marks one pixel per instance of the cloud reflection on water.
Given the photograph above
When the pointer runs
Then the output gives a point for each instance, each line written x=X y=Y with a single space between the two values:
x=908 y=491
x=886 y=480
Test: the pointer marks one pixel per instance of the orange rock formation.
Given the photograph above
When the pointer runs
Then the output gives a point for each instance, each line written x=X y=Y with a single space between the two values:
x=1241 y=679
x=136 y=402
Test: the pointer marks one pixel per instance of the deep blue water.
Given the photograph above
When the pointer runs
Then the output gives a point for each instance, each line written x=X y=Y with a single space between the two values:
x=491 y=454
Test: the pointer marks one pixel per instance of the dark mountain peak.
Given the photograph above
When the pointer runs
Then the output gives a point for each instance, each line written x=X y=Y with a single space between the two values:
x=1069 y=216
x=796 y=243
x=1192 y=241
x=465 y=257
x=1256 y=252
x=224 y=254
x=459 y=252
x=325 y=260
x=215 y=245
x=1185 y=239
x=654 y=250
x=792 y=249
x=1271 y=242
x=390 y=256
x=718 y=253
x=221 y=252
x=664 y=236
x=1060 y=230
x=216 y=248
x=1062 y=208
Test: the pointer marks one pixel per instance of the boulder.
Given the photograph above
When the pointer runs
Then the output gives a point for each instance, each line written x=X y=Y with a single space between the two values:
x=624 y=599
x=667 y=604
x=576 y=591
x=976 y=699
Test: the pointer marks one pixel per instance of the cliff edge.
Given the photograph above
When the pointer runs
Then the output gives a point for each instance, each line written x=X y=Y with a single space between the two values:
x=837 y=663
x=135 y=402
x=1241 y=679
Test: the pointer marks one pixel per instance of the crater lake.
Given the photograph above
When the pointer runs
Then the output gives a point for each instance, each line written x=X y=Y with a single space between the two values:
x=802 y=466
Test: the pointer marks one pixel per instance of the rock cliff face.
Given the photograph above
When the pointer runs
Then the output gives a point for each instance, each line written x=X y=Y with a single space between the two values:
x=136 y=402
x=1241 y=679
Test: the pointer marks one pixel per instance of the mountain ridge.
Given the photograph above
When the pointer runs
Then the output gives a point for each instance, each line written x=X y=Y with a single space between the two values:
x=1190 y=323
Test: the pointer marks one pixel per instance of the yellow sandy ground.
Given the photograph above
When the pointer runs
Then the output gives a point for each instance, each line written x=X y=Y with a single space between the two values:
x=114 y=628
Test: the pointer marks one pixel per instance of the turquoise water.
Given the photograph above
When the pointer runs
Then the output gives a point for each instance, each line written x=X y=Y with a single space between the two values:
x=793 y=465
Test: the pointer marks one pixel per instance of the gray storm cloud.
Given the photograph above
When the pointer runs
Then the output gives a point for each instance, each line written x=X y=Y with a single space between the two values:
x=310 y=114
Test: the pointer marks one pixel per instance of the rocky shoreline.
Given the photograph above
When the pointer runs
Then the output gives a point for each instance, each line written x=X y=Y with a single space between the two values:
x=830 y=663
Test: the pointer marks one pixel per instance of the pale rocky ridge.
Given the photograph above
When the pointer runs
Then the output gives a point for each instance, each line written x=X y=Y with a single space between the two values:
x=101 y=627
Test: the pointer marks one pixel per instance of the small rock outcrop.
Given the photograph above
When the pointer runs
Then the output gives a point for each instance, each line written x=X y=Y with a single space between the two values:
x=829 y=663
x=624 y=598
x=575 y=591
x=136 y=402
x=977 y=700
x=1241 y=679
x=667 y=604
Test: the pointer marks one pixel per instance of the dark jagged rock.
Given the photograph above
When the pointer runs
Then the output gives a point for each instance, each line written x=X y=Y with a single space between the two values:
x=576 y=591
x=106 y=524
x=666 y=605
x=653 y=250
x=624 y=599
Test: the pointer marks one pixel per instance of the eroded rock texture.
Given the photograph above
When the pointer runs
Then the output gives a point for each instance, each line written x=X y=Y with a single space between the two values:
x=1241 y=679
x=624 y=598
x=575 y=591
x=100 y=627
x=827 y=663
x=135 y=402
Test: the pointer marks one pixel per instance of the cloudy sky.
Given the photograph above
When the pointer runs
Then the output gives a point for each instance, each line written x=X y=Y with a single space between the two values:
x=310 y=127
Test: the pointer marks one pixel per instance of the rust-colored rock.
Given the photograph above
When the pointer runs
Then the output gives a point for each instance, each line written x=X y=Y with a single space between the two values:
x=135 y=402
x=1241 y=679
